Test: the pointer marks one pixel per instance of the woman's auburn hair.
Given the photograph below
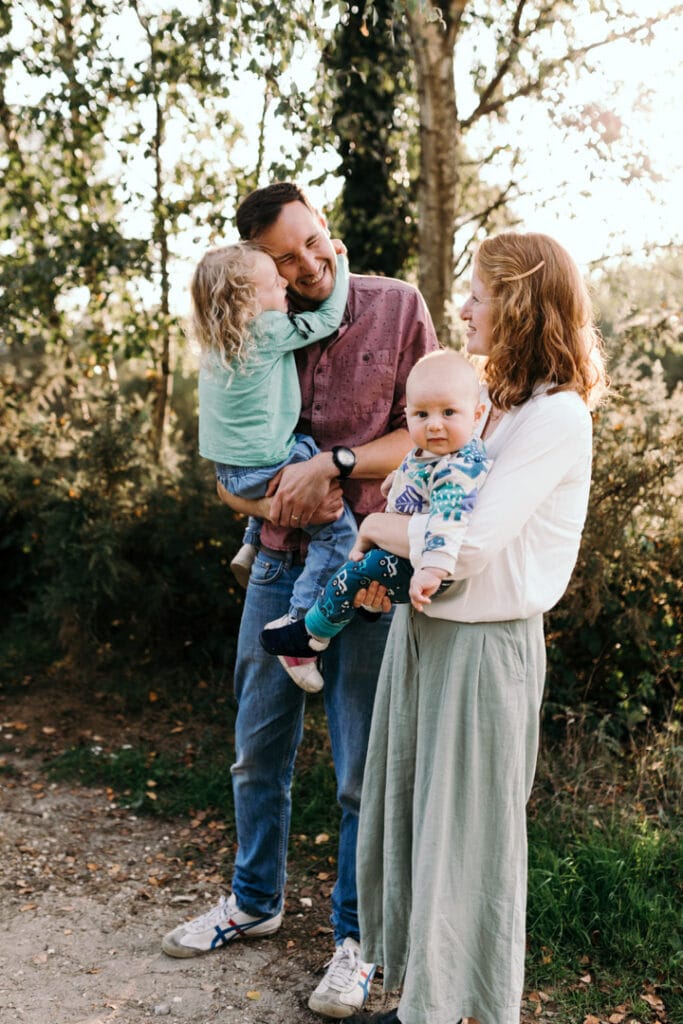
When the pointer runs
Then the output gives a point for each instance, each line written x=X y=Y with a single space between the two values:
x=542 y=327
x=224 y=303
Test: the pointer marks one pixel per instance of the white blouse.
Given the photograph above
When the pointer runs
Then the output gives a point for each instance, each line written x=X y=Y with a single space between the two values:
x=523 y=539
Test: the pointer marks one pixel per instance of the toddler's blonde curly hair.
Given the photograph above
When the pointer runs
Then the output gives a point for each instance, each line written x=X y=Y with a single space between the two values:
x=224 y=303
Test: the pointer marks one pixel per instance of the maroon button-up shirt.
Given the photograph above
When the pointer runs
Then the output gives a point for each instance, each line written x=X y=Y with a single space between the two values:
x=353 y=383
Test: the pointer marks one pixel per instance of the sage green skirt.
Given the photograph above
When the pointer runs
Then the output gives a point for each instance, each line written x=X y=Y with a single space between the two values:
x=442 y=849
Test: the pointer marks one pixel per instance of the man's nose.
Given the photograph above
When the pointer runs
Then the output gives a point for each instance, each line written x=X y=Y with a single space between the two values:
x=308 y=263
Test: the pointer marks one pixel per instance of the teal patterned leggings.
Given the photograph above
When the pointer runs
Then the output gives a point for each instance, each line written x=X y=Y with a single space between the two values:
x=334 y=608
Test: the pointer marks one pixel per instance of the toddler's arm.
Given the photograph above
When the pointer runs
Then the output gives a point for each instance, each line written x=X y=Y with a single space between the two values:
x=285 y=332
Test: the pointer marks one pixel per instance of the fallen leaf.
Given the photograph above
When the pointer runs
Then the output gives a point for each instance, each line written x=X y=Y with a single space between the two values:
x=654 y=1001
x=253 y=994
x=616 y=1018
x=321 y=838
x=48 y=730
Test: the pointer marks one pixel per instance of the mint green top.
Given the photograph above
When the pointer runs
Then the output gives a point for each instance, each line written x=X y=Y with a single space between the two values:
x=247 y=417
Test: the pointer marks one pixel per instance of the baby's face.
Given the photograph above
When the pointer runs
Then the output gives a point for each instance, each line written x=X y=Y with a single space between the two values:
x=271 y=287
x=441 y=409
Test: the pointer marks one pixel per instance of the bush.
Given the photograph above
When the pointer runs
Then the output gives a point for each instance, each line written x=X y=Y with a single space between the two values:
x=117 y=561
x=112 y=560
x=615 y=639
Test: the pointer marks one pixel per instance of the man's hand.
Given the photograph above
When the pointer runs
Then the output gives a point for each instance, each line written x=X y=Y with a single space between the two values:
x=423 y=584
x=306 y=492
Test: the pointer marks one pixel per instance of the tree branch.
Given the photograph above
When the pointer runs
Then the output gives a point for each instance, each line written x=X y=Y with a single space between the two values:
x=488 y=106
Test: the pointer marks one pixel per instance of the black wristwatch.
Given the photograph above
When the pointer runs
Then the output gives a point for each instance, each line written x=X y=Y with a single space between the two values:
x=344 y=459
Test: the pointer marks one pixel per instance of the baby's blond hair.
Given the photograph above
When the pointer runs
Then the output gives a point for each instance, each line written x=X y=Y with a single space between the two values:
x=224 y=302
x=450 y=360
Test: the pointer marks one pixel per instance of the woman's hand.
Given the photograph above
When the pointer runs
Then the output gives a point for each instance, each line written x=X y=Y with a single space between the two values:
x=374 y=598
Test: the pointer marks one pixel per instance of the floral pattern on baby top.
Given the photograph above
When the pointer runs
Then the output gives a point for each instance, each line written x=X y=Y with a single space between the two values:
x=444 y=487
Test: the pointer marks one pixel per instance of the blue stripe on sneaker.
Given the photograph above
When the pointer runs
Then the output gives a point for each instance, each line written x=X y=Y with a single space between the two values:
x=234 y=931
x=364 y=982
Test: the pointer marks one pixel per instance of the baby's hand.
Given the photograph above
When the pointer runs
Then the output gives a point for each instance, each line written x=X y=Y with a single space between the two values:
x=339 y=246
x=386 y=483
x=423 y=584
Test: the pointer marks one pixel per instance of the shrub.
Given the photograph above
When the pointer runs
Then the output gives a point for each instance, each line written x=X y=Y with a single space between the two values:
x=615 y=639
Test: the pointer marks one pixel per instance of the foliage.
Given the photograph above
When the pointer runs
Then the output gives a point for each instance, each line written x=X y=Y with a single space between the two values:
x=367 y=73
x=116 y=560
x=615 y=639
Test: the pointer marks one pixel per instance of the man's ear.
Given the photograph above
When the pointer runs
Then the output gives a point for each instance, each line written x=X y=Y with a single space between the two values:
x=323 y=220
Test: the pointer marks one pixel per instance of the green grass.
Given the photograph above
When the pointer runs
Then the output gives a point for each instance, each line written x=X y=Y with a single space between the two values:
x=605 y=899
x=147 y=781
x=605 y=854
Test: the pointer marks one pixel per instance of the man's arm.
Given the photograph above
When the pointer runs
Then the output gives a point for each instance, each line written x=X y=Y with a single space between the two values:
x=303 y=487
x=327 y=511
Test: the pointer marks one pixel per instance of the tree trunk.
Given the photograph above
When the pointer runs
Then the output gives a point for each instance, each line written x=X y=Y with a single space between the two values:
x=433 y=45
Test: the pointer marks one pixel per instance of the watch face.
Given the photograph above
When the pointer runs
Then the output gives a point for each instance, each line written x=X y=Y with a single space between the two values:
x=344 y=460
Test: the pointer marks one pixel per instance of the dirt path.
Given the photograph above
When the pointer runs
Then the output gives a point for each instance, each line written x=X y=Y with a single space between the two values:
x=87 y=889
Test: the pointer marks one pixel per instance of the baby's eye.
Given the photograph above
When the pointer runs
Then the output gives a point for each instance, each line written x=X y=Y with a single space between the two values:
x=449 y=412
x=421 y=414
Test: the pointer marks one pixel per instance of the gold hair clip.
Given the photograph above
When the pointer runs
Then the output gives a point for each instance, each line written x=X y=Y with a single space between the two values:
x=518 y=277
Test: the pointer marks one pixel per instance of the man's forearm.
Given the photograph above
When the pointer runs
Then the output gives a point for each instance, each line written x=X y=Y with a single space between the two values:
x=376 y=459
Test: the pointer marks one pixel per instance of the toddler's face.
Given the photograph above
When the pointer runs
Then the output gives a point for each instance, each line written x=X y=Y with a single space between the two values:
x=441 y=409
x=271 y=287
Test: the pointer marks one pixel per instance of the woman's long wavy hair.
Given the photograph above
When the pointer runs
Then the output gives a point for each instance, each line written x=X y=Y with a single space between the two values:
x=224 y=303
x=542 y=321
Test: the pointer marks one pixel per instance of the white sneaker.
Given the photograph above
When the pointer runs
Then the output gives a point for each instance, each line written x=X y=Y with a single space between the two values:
x=346 y=984
x=303 y=670
x=241 y=564
x=216 y=928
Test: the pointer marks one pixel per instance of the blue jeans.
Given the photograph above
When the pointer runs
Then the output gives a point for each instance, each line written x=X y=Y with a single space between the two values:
x=330 y=542
x=268 y=731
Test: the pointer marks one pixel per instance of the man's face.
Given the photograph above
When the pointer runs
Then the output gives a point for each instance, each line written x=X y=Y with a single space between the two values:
x=299 y=244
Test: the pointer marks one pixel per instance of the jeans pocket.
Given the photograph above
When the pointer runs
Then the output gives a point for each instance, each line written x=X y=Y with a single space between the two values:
x=265 y=571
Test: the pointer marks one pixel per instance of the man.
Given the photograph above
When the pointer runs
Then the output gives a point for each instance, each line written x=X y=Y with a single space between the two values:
x=352 y=390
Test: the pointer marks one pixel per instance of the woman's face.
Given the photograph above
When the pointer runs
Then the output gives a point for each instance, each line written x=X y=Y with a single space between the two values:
x=477 y=315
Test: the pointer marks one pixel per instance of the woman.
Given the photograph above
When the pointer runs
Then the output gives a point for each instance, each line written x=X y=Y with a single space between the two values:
x=442 y=859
